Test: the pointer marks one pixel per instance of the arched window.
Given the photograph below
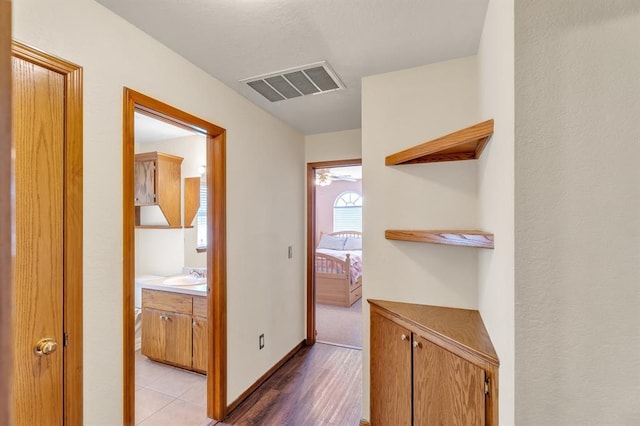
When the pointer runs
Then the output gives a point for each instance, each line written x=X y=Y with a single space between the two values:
x=347 y=212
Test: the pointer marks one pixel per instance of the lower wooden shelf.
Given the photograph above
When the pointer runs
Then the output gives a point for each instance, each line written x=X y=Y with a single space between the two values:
x=464 y=238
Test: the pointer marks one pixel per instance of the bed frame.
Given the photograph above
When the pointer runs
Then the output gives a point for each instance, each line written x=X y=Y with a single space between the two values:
x=333 y=277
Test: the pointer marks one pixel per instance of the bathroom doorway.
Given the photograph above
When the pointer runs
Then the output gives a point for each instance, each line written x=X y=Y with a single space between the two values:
x=174 y=260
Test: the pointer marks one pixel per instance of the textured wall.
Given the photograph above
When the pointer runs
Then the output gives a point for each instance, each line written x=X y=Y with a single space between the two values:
x=496 y=194
x=345 y=145
x=399 y=110
x=260 y=224
x=577 y=218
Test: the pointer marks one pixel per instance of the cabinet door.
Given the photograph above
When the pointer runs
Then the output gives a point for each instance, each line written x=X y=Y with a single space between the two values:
x=448 y=390
x=166 y=336
x=145 y=182
x=200 y=344
x=390 y=373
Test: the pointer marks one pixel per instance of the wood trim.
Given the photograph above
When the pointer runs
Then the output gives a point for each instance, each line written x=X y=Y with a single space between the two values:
x=311 y=232
x=460 y=331
x=73 y=223
x=478 y=239
x=217 y=272
x=364 y=422
x=216 y=257
x=264 y=377
x=6 y=213
x=465 y=144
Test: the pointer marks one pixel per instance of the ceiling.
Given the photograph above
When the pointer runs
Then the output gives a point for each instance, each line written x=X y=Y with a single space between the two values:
x=148 y=129
x=237 y=39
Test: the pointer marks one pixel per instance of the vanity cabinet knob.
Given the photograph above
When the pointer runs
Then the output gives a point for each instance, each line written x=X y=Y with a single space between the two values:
x=404 y=337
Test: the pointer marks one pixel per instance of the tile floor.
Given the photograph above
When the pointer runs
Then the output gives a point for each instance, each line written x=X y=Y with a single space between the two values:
x=169 y=396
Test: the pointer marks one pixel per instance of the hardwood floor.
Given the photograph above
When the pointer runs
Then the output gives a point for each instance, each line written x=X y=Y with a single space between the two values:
x=320 y=385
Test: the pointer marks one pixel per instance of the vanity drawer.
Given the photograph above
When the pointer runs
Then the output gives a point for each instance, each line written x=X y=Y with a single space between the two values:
x=199 y=306
x=166 y=301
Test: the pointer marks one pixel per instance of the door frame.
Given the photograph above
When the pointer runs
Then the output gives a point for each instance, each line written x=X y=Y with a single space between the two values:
x=311 y=238
x=6 y=213
x=72 y=223
x=216 y=249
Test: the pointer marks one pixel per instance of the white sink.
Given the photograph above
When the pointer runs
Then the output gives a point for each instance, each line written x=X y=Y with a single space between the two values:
x=184 y=280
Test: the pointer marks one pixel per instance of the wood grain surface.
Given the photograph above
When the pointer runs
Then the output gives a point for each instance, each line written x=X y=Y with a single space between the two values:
x=391 y=373
x=167 y=301
x=448 y=390
x=464 y=144
x=6 y=353
x=465 y=238
x=319 y=385
x=38 y=128
x=459 y=330
x=191 y=199
x=200 y=351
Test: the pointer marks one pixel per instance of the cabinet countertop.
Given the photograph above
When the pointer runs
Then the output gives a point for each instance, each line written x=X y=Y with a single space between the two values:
x=156 y=284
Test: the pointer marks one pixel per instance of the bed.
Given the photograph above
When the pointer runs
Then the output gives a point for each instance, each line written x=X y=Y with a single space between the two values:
x=338 y=268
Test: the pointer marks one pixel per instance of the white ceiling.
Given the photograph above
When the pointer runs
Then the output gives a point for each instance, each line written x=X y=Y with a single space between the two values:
x=236 y=39
x=147 y=129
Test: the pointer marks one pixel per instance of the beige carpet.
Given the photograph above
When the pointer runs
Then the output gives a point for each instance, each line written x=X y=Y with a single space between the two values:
x=339 y=325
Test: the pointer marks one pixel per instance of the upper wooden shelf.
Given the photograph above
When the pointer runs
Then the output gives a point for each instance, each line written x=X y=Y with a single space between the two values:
x=478 y=239
x=465 y=144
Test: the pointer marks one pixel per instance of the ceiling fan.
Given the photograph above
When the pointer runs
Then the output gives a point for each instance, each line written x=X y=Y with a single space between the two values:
x=324 y=177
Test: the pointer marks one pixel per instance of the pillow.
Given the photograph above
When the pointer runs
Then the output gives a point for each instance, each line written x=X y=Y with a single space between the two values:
x=353 y=243
x=331 y=242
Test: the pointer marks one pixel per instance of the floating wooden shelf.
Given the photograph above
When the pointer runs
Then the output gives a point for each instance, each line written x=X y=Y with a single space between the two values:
x=449 y=237
x=465 y=144
x=157 y=227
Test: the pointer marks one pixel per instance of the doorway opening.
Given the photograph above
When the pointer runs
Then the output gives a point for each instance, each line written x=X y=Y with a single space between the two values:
x=174 y=197
x=334 y=253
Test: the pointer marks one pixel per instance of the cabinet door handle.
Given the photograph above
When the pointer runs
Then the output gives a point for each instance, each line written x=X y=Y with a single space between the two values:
x=195 y=324
x=416 y=344
x=404 y=337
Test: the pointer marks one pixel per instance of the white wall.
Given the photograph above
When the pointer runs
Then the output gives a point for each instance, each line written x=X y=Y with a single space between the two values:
x=266 y=297
x=577 y=218
x=344 y=145
x=400 y=110
x=496 y=193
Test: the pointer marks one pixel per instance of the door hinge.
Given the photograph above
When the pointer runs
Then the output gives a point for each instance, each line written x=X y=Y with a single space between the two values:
x=486 y=386
x=65 y=339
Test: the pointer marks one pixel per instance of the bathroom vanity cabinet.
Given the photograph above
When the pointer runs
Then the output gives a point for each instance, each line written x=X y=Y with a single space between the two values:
x=174 y=329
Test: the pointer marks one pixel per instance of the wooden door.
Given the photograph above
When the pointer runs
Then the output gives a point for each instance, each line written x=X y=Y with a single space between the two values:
x=46 y=386
x=38 y=130
x=166 y=336
x=145 y=182
x=5 y=211
x=390 y=373
x=200 y=352
x=448 y=390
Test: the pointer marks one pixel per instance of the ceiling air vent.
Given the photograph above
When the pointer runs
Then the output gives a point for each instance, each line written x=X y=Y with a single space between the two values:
x=310 y=79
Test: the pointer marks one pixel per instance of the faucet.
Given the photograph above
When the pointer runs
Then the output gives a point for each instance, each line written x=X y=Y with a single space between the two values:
x=198 y=273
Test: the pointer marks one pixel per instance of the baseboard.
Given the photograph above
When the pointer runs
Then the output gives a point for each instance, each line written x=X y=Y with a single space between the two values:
x=264 y=377
x=363 y=422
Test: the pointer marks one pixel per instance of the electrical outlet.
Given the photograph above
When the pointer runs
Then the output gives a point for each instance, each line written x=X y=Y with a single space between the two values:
x=261 y=341
x=290 y=252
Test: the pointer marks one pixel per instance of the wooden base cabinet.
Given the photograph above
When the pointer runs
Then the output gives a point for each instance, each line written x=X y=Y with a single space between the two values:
x=431 y=366
x=174 y=329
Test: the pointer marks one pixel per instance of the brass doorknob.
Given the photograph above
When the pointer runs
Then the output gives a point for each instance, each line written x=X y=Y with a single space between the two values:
x=45 y=346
